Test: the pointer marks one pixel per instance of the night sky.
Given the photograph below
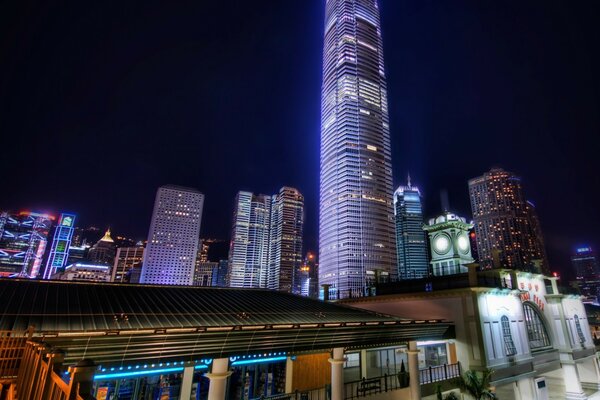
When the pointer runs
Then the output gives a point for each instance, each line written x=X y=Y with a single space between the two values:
x=102 y=103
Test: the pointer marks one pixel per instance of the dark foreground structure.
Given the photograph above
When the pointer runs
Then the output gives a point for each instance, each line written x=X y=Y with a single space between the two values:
x=65 y=340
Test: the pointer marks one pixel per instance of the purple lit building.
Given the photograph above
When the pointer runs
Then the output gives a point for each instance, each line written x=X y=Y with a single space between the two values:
x=356 y=221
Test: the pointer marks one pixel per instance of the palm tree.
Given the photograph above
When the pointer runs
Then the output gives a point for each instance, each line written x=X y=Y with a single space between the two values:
x=477 y=384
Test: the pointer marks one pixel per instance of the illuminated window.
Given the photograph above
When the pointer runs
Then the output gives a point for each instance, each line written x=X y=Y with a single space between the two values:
x=536 y=330
x=509 y=345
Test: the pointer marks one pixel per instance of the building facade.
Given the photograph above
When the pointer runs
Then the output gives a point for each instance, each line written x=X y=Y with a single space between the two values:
x=585 y=263
x=356 y=218
x=450 y=244
x=90 y=272
x=126 y=259
x=502 y=218
x=23 y=242
x=173 y=237
x=266 y=240
x=411 y=243
x=104 y=250
x=61 y=243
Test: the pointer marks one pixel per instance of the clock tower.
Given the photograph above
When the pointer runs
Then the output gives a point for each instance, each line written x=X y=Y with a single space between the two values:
x=449 y=244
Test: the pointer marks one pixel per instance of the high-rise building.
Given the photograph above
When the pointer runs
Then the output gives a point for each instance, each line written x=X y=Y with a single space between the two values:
x=104 y=251
x=219 y=277
x=173 y=237
x=125 y=260
x=23 y=240
x=356 y=218
x=61 y=243
x=266 y=240
x=502 y=219
x=450 y=244
x=204 y=272
x=585 y=263
x=287 y=225
x=411 y=243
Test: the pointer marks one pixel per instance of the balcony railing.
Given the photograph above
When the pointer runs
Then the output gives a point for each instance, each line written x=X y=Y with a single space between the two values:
x=367 y=387
x=439 y=373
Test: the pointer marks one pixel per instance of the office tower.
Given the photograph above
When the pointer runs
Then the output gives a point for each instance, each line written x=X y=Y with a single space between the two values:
x=125 y=260
x=266 y=240
x=502 y=222
x=411 y=243
x=204 y=273
x=287 y=225
x=23 y=240
x=585 y=263
x=173 y=237
x=104 y=251
x=220 y=275
x=61 y=242
x=450 y=244
x=356 y=219
x=541 y=265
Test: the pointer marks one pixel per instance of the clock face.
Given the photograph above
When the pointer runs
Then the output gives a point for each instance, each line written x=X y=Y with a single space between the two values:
x=441 y=244
x=463 y=243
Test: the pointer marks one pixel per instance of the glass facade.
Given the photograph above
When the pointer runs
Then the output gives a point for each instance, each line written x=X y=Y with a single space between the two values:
x=411 y=243
x=356 y=222
x=61 y=242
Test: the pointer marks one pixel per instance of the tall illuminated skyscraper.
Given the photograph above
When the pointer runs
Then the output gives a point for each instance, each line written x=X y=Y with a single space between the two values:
x=356 y=221
x=59 y=252
x=266 y=240
x=506 y=235
x=173 y=238
x=411 y=242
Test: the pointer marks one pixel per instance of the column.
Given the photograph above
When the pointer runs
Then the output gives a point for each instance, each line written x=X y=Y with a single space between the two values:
x=589 y=374
x=524 y=389
x=218 y=379
x=363 y=363
x=82 y=379
x=186 y=383
x=413 y=371
x=337 y=374
x=573 y=388
x=289 y=375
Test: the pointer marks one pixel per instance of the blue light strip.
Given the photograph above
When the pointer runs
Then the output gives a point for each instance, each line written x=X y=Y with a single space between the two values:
x=258 y=360
x=120 y=375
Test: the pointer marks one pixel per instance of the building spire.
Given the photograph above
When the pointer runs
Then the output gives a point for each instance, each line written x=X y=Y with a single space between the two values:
x=107 y=237
x=409 y=185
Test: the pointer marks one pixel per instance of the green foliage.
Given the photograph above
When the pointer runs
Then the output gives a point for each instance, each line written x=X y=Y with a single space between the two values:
x=451 y=396
x=477 y=384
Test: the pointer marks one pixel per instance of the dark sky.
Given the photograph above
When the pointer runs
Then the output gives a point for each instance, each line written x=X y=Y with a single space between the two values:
x=102 y=103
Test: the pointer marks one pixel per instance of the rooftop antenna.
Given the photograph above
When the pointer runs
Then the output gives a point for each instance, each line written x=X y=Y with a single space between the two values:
x=409 y=185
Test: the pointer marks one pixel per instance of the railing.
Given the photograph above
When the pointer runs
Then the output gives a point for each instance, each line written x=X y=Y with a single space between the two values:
x=37 y=379
x=367 y=387
x=312 y=394
x=440 y=373
x=12 y=345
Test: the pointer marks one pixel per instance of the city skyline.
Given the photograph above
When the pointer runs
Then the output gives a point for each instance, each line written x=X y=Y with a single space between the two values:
x=478 y=93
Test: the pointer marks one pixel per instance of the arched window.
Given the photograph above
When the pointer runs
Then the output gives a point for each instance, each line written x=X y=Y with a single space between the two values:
x=509 y=345
x=536 y=330
x=579 y=331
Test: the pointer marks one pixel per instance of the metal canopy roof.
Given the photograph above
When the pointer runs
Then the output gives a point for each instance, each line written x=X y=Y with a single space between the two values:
x=114 y=323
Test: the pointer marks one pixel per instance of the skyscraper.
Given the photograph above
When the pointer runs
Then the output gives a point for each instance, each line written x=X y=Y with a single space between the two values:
x=503 y=225
x=61 y=242
x=104 y=251
x=23 y=240
x=585 y=263
x=266 y=240
x=411 y=243
x=126 y=259
x=356 y=220
x=173 y=237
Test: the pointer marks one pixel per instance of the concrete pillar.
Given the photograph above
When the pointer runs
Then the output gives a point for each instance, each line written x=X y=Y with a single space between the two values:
x=363 y=363
x=337 y=374
x=289 y=375
x=82 y=379
x=413 y=371
x=218 y=379
x=589 y=373
x=524 y=389
x=186 y=383
x=573 y=388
